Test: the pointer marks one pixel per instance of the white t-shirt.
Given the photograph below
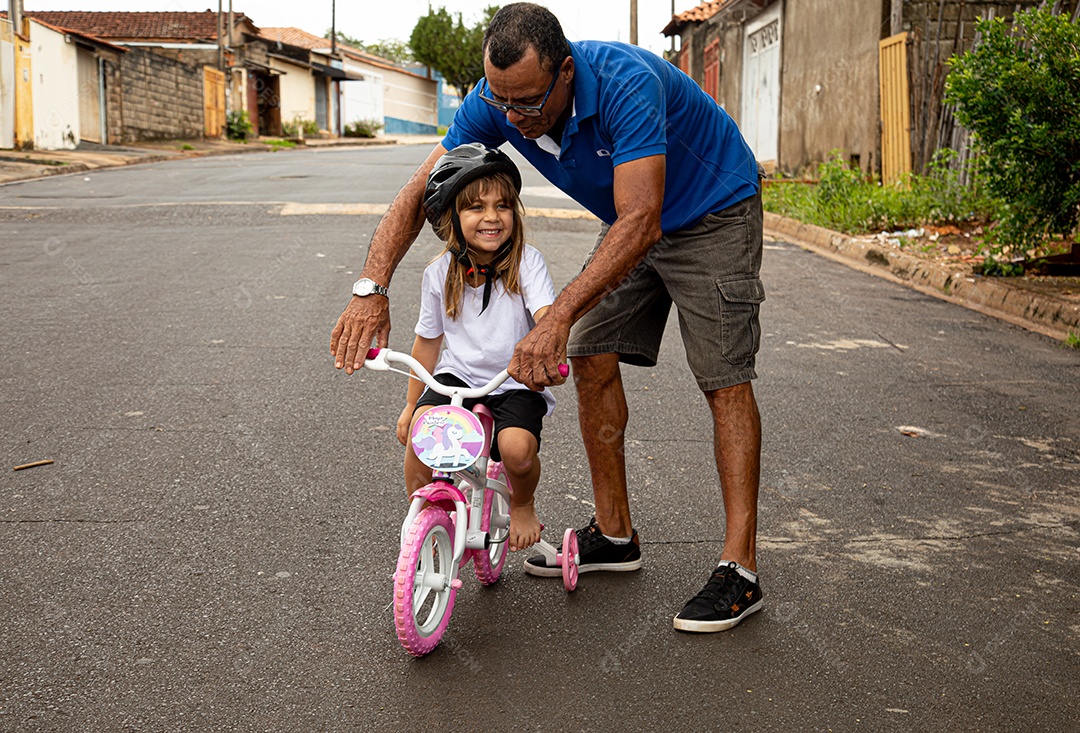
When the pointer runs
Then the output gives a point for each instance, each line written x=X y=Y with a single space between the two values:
x=477 y=346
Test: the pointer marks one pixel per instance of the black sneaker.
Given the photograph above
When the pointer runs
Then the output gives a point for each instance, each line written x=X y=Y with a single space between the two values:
x=725 y=600
x=595 y=552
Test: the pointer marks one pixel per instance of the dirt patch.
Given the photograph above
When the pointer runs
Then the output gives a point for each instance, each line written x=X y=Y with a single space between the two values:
x=956 y=248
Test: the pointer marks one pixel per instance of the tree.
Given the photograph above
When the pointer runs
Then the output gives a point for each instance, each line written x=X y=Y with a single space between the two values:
x=389 y=49
x=451 y=48
x=1018 y=90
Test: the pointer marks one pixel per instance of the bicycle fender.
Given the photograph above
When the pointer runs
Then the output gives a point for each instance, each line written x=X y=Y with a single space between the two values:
x=441 y=495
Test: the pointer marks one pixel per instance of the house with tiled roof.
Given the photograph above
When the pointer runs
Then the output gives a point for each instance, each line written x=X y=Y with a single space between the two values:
x=51 y=91
x=401 y=100
x=153 y=75
x=805 y=78
x=155 y=26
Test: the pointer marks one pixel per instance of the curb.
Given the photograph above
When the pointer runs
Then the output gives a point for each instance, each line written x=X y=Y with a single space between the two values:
x=45 y=170
x=120 y=161
x=1043 y=314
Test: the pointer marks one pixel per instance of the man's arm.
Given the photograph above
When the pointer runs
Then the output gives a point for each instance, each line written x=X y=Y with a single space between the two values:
x=368 y=319
x=639 y=201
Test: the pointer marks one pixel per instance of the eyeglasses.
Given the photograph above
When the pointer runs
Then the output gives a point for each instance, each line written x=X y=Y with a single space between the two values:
x=525 y=110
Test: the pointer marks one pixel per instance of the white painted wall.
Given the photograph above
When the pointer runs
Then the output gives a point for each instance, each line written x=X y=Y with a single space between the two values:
x=296 y=87
x=388 y=92
x=55 y=89
x=412 y=98
x=362 y=100
x=7 y=86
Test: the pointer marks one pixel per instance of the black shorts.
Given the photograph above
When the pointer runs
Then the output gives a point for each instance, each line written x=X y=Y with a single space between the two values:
x=515 y=408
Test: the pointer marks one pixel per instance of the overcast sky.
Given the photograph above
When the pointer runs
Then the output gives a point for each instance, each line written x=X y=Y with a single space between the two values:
x=605 y=20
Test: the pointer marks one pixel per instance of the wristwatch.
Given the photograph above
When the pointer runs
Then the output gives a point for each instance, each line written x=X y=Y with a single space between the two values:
x=365 y=287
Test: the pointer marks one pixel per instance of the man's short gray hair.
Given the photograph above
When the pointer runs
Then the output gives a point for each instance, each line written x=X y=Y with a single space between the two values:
x=519 y=25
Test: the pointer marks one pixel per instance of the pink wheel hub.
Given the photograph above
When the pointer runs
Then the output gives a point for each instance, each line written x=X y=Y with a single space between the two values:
x=568 y=559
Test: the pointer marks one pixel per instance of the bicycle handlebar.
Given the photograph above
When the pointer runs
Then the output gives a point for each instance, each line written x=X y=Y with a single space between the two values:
x=379 y=360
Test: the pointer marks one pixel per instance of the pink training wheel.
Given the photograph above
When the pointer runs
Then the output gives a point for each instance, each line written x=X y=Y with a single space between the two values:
x=569 y=559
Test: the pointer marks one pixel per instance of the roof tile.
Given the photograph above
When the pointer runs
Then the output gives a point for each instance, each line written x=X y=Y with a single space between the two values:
x=695 y=15
x=164 y=25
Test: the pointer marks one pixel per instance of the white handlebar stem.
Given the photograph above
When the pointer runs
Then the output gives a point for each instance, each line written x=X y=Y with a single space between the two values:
x=380 y=360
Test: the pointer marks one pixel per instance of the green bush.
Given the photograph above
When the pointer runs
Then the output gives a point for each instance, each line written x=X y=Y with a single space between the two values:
x=846 y=200
x=299 y=127
x=363 y=128
x=238 y=125
x=1018 y=91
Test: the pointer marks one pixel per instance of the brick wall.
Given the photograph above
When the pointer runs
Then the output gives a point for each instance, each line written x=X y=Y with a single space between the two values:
x=114 y=103
x=161 y=98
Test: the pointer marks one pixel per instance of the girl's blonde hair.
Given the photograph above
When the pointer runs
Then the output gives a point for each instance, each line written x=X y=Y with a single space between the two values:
x=508 y=265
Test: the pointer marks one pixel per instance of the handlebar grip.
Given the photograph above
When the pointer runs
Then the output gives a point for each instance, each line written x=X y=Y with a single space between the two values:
x=372 y=353
x=564 y=370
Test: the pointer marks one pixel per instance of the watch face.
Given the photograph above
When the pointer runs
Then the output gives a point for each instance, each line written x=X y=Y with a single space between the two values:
x=365 y=286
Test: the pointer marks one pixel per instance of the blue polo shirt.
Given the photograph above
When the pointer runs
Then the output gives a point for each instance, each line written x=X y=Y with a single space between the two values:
x=629 y=104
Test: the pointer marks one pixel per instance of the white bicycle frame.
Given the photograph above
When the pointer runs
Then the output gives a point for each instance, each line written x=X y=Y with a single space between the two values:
x=467 y=534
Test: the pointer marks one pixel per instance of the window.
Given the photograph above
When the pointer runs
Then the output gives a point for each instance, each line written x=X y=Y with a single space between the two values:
x=712 y=70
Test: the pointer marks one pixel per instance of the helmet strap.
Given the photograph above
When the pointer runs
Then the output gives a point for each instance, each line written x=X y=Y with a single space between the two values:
x=488 y=271
x=462 y=253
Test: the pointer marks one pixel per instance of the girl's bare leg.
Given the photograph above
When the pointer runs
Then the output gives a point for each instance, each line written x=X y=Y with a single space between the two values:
x=417 y=475
x=518 y=447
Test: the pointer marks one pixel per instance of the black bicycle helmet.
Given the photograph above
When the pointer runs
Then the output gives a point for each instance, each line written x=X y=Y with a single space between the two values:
x=455 y=170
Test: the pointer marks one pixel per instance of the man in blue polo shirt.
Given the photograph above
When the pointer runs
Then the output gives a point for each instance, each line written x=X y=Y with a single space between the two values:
x=666 y=170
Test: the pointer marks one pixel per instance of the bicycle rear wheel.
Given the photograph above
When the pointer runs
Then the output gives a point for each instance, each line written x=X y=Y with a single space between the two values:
x=423 y=595
x=495 y=520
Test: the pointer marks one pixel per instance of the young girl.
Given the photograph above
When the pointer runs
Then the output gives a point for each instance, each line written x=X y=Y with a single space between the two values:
x=478 y=300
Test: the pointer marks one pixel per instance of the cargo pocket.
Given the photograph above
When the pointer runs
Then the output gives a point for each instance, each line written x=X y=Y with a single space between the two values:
x=739 y=304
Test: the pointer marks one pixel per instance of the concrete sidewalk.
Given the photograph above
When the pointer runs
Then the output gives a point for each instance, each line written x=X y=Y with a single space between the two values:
x=1046 y=305
x=22 y=165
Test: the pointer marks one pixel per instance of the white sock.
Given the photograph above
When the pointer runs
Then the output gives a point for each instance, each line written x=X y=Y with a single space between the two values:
x=748 y=574
x=619 y=540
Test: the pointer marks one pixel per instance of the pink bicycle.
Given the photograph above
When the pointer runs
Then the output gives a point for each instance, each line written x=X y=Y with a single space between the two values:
x=444 y=530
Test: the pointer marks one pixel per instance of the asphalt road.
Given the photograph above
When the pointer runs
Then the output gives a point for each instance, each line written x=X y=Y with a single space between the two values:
x=213 y=547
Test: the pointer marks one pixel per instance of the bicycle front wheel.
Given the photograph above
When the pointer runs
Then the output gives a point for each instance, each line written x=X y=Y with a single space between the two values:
x=423 y=594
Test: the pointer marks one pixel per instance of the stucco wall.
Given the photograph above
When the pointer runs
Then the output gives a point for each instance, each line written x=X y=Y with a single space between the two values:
x=162 y=98
x=731 y=49
x=363 y=100
x=7 y=85
x=296 y=91
x=55 y=89
x=829 y=81
x=114 y=102
x=696 y=39
x=410 y=103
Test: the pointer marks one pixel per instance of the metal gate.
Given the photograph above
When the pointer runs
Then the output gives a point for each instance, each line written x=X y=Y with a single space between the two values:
x=895 y=108
x=760 y=108
x=322 y=117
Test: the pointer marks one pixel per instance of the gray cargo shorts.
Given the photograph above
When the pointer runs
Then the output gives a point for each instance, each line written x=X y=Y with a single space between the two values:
x=710 y=271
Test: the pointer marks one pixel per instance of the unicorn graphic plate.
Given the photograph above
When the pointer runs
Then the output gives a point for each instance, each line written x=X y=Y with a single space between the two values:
x=448 y=438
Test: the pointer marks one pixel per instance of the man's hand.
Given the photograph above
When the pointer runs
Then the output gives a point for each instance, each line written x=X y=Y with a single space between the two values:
x=538 y=355
x=364 y=320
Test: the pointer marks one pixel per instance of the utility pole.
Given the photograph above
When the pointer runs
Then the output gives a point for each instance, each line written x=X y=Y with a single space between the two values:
x=333 y=26
x=220 y=40
x=15 y=15
x=673 y=35
x=633 y=22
